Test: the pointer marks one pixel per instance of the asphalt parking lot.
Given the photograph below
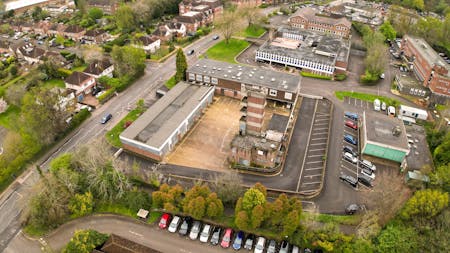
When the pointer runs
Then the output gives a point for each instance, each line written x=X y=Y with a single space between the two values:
x=313 y=163
x=357 y=103
x=347 y=167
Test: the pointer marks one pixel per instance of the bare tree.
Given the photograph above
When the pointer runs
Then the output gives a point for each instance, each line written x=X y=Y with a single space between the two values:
x=91 y=53
x=250 y=13
x=228 y=186
x=228 y=24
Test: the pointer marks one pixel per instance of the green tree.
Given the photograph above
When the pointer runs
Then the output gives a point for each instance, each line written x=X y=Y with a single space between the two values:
x=214 y=206
x=196 y=207
x=388 y=31
x=228 y=24
x=63 y=161
x=81 y=204
x=252 y=197
x=257 y=216
x=397 y=239
x=441 y=154
x=107 y=183
x=85 y=241
x=291 y=223
x=168 y=197
x=59 y=40
x=425 y=204
x=242 y=221
x=125 y=18
x=95 y=13
x=181 y=65
x=441 y=177
x=128 y=61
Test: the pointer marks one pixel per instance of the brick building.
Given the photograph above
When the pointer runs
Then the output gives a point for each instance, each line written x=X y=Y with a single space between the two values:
x=428 y=67
x=215 y=6
x=107 y=6
x=311 y=19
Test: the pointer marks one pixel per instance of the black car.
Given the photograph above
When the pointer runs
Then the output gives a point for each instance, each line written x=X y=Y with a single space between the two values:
x=365 y=180
x=349 y=179
x=215 y=238
x=350 y=150
x=191 y=52
x=185 y=226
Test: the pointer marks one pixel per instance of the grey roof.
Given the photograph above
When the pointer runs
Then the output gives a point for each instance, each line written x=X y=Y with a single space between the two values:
x=246 y=74
x=156 y=125
x=249 y=141
x=378 y=129
x=278 y=123
x=427 y=52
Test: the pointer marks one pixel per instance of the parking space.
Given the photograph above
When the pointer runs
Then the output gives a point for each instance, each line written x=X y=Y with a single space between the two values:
x=347 y=167
x=313 y=163
x=358 y=103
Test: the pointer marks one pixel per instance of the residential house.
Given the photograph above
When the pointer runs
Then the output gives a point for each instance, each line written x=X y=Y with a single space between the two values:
x=107 y=6
x=56 y=10
x=26 y=27
x=117 y=243
x=80 y=83
x=74 y=32
x=56 y=29
x=30 y=53
x=215 y=6
x=95 y=36
x=100 y=68
x=149 y=44
x=170 y=30
x=58 y=58
x=192 y=20
x=41 y=27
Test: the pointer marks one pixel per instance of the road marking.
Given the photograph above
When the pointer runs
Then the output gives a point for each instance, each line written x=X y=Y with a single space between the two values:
x=315 y=144
x=315 y=155
x=311 y=183
x=134 y=233
x=315 y=168
x=314 y=162
x=319 y=149
x=321 y=128
x=315 y=175
x=319 y=139
x=320 y=120
x=321 y=124
x=317 y=133
x=349 y=170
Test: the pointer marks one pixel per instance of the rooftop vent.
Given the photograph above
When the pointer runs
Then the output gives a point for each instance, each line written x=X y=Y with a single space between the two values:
x=225 y=75
x=396 y=131
x=263 y=140
x=219 y=69
x=233 y=77
x=273 y=146
x=204 y=66
x=250 y=75
x=214 y=68
x=229 y=71
x=198 y=65
x=230 y=67
x=262 y=77
x=273 y=79
x=239 y=74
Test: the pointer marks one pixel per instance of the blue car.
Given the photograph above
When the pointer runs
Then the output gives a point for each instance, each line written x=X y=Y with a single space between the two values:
x=352 y=116
x=237 y=244
x=350 y=139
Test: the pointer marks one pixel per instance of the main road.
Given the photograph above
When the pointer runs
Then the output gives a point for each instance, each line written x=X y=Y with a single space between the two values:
x=15 y=198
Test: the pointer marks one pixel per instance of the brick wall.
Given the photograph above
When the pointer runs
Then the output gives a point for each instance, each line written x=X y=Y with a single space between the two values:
x=141 y=152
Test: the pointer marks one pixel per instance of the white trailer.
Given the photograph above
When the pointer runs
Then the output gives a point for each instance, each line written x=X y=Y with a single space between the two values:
x=413 y=112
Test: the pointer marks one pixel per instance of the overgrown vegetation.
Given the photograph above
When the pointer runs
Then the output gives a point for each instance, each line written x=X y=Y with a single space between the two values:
x=85 y=241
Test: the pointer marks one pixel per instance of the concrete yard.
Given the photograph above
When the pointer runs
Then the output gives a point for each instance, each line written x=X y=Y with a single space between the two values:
x=207 y=145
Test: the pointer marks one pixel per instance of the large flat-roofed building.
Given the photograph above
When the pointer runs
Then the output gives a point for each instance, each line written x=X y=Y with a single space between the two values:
x=384 y=137
x=236 y=80
x=311 y=19
x=428 y=66
x=157 y=131
x=311 y=51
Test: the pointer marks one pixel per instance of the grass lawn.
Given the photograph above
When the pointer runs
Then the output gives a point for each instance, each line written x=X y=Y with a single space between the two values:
x=114 y=208
x=226 y=52
x=113 y=135
x=254 y=31
x=330 y=218
x=8 y=117
x=366 y=97
x=55 y=83
x=171 y=82
x=80 y=68
x=153 y=216
x=160 y=53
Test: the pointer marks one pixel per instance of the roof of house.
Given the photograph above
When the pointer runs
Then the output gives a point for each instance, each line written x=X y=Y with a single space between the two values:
x=77 y=78
x=94 y=33
x=29 y=50
x=312 y=15
x=116 y=244
x=190 y=17
x=248 y=142
x=158 y=123
x=97 y=67
x=246 y=74
x=4 y=44
x=74 y=29
x=174 y=25
x=147 y=40
x=278 y=123
x=101 y=2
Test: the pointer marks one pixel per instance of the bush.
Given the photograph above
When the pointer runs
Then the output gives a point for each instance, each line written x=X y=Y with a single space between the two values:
x=62 y=72
x=78 y=118
x=135 y=200
x=340 y=77
x=85 y=241
x=263 y=6
x=103 y=98
x=312 y=75
x=369 y=78
x=64 y=53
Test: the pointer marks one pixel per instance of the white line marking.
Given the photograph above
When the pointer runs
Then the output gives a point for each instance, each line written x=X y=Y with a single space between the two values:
x=311 y=183
x=319 y=149
x=315 y=155
x=314 y=162
x=319 y=139
x=315 y=175
x=315 y=168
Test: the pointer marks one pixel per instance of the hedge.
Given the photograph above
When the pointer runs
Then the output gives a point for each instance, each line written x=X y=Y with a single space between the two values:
x=78 y=118
x=107 y=95
x=308 y=74
x=62 y=72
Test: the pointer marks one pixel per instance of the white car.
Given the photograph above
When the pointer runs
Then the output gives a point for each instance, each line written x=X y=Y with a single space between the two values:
x=195 y=230
x=368 y=165
x=349 y=157
x=368 y=173
x=259 y=247
x=174 y=224
x=204 y=236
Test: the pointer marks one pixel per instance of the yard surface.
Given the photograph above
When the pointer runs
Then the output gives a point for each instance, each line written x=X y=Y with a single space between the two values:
x=227 y=52
x=207 y=145
x=254 y=31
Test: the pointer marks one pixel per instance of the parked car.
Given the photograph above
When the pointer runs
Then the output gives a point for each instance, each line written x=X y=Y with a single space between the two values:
x=382 y=76
x=350 y=150
x=350 y=139
x=307 y=250
x=367 y=164
x=61 y=47
x=365 y=180
x=206 y=232
x=260 y=245
x=352 y=116
x=195 y=230
x=349 y=179
x=165 y=219
x=349 y=157
x=191 y=52
x=284 y=248
x=383 y=106
x=272 y=246
x=215 y=37
x=377 y=105
x=351 y=209
x=106 y=118
x=216 y=236
x=391 y=111
x=249 y=242
x=295 y=249
x=174 y=224
x=185 y=225
x=351 y=124
x=226 y=239
x=368 y=173
x=237 y=243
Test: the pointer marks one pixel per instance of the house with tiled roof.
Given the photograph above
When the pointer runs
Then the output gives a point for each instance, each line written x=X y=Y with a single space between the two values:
x=95 y=36
x=74 y=32
x=30 y=53
x=148 y=43
x=41 y=27
x=56 y=29
x=107 y=6
x=99 y=68
x=116 y=244
x=215 y=6
x=192 y=20
x=80 y=83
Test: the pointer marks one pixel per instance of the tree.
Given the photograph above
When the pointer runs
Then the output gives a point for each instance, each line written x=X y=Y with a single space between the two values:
x=95 y=13
x=81 y=204
x=228 y=24
x=214 y=206
x=81 y=5
x=376 y=59
x=36 y=14
x=250 y=13
x=397 y=239
x=59 y=40
x=128 y=61
x=168 y=197
x=181 y=65
x=441 y=177
x=424 y=205
x=91 y=53
x=242 y=221
x=388 y=31
x=15 y=93
x=252 y=197
x=228 y=187
x=85 y=241
x=257 y=216
x=125 y=18
x=199 y=201
x=196 y=207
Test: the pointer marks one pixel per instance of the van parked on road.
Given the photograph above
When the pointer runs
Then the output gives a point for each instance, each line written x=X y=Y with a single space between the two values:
x=377 y=105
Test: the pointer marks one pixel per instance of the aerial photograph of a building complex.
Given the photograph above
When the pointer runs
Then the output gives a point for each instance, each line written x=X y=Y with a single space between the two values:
x=204 y=126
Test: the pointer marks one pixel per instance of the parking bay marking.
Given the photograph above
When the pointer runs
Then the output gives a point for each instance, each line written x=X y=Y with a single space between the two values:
x=314 y=162
x=320 y=133
x=315 y=144
x=319 y=139
x=319 y=149
x=321 y=128
x=315 y=168
x=311 y=183
x=315 y=155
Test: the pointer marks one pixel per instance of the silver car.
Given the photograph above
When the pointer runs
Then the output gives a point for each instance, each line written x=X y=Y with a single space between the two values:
x=206 y=232
x=272 y=246
x=260 y=245
x=195 y=230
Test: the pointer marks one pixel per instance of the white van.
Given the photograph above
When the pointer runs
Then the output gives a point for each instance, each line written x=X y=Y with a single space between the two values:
x=377 y=105
x=391 y=111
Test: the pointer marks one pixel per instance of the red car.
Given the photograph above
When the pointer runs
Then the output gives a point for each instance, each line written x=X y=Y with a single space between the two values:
x=164 y=222
x=351 y=124
x=226 y=238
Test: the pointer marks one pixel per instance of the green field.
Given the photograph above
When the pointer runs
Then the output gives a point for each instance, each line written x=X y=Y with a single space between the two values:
x=113 y=135
x=366 y=97
x=9 y=116
x=55 y=83
x=227 y=52
x=254 y=31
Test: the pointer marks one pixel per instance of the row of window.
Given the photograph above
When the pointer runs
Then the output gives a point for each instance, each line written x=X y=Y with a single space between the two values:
x=293 y=36
x=203 y=79
x=294 y=62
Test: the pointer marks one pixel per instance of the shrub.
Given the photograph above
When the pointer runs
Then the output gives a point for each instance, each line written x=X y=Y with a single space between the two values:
x=308 y=74
x=340 y=77
x=79 y=118
x=369 y=78
x=62 y=72
x=103 y=98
